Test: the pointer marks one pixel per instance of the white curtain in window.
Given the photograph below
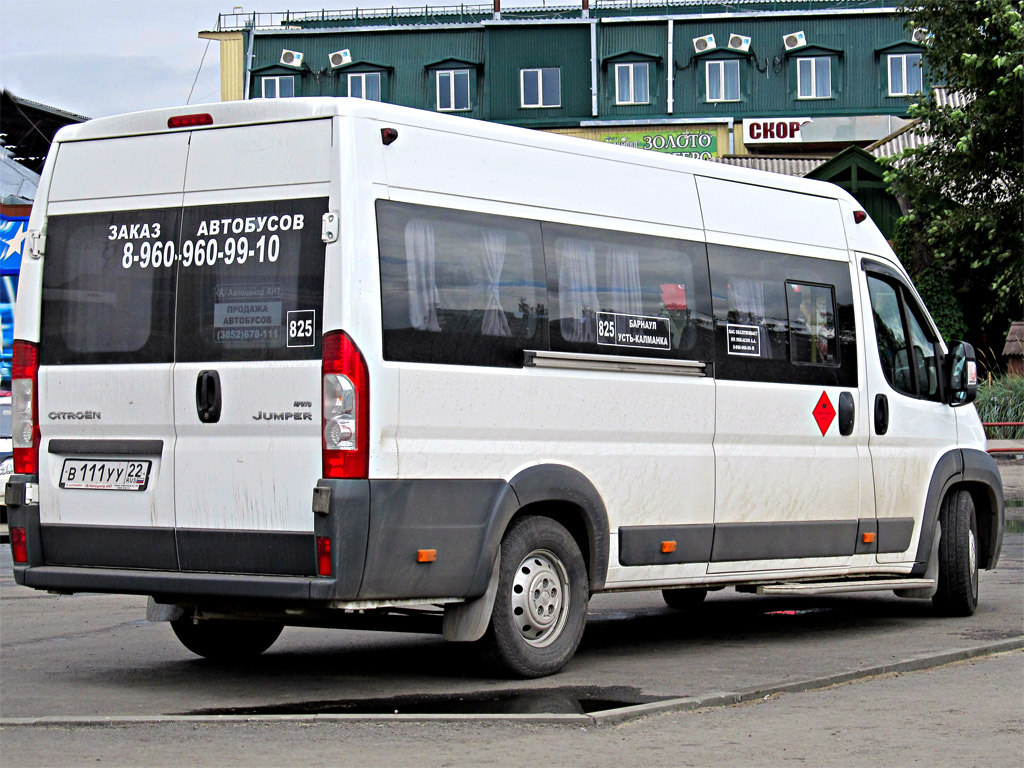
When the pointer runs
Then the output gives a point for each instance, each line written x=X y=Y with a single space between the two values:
x=577 y=289
x=495 y=243
x=623 y=280
x=423 y=295
x=747 y=300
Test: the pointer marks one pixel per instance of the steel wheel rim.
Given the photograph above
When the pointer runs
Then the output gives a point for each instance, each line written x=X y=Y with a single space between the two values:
x=972 y=560
x=540 y=598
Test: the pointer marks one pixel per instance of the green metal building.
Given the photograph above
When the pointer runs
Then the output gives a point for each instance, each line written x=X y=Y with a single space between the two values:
x=686 y=76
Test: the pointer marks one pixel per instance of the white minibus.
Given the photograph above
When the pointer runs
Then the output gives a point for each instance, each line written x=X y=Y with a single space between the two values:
x=330 y=362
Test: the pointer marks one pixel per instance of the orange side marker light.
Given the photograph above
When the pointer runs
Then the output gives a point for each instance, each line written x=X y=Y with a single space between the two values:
x=426 y=555
x=868 y=538
x=668 y=546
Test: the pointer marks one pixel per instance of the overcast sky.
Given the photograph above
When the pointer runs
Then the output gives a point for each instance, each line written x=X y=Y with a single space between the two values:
x=102 y=57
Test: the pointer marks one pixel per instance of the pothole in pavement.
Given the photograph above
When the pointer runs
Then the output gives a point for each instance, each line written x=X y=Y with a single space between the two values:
x=547 y=701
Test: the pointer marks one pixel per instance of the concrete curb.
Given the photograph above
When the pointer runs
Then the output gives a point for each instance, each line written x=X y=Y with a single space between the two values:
x=608 y=717
x=725 y=699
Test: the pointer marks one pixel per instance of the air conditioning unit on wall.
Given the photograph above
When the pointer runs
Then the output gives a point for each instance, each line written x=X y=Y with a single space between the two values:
x=795 y=40
x=291 y=58
x=706 y=43
x=340 y=58
x=739 y=42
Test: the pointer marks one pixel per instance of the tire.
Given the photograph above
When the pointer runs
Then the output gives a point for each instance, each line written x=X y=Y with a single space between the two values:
x=226 y=640
x=686 y=599
x=957 y=593
x=541 y=604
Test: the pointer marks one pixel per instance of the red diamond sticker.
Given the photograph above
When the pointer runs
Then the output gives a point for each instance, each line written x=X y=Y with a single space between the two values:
x=824 y=413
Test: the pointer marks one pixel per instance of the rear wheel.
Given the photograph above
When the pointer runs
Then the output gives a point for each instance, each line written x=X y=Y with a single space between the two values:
x=223 y=639
x=541 y=603
x=957 y=593
x=684 y=599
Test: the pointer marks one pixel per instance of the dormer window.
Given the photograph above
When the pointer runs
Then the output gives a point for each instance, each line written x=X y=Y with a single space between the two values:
x=632 y=83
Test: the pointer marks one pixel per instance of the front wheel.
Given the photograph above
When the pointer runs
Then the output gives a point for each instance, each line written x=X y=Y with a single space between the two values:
x=226 y=640
x=541 y=604
x=957 y=593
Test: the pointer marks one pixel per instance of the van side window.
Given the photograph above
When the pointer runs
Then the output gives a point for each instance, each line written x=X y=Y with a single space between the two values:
x=907 y=353
x=782 y=318
x=458 y=287
x=812 y=324
x=627 y=294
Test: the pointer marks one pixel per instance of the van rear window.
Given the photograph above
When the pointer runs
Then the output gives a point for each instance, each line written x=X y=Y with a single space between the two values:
x=96 y=309
x=251 y=282
x=208 y=283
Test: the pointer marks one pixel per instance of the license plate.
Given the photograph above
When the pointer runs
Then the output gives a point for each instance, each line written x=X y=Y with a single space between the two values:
x=105 y=474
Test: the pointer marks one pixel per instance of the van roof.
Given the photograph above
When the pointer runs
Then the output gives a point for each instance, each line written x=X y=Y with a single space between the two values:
x=256 y=111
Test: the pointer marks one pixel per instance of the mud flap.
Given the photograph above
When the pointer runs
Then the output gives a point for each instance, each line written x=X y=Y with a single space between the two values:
x=931 y=572
x=467 y=622
x=157 y=612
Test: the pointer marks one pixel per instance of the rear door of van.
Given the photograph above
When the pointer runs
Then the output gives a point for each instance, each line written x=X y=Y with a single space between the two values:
x=106 y=462
x=246 y=383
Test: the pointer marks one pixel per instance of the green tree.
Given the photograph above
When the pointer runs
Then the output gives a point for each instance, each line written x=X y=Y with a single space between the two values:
x=964 y=187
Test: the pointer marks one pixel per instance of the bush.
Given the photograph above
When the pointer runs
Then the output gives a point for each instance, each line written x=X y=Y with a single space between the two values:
x=1002 y=399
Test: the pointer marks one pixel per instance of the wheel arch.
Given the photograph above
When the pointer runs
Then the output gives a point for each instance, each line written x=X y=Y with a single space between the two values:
x=976 y=472
x=982 y=480
x=568 y=497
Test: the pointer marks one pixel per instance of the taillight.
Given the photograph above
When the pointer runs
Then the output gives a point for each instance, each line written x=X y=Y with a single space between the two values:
x=25 y=407
x=19 y=545
x=346 y=408
x=323 y=556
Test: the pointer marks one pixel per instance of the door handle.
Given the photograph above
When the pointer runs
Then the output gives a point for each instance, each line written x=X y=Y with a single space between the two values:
x=881 y=414
x=847 y=412
x=208 y=397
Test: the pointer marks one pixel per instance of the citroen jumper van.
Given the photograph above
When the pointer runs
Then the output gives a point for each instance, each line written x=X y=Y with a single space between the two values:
x=330 y=362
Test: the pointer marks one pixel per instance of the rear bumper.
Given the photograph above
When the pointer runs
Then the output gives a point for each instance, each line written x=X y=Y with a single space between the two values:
x=166 y=584
x=376 y=528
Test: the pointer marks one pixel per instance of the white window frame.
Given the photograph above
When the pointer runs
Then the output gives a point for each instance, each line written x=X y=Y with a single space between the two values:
x=453 y=76
x=719 y=64
x=906 y=67
x=815 y=63
x=540 y=87
x=362 y=77
x=631 y=96
x=277 y=80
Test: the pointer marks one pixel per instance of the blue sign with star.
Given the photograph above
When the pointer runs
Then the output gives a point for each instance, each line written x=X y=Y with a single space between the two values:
x=12 y=243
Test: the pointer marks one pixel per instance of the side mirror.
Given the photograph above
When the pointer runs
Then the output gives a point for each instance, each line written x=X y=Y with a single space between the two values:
x=962 y=374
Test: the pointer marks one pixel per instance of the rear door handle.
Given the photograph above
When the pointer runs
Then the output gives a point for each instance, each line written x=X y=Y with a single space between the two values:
x=208 y=397
x=881 y=414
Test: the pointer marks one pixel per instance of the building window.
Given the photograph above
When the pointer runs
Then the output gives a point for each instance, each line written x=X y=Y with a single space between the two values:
x=453 y=90
x=364 y=85
x=541 y=87
x=278 y=87
x=723 y=80
x=632 y=83
x=904 y=74
x=814 y=78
